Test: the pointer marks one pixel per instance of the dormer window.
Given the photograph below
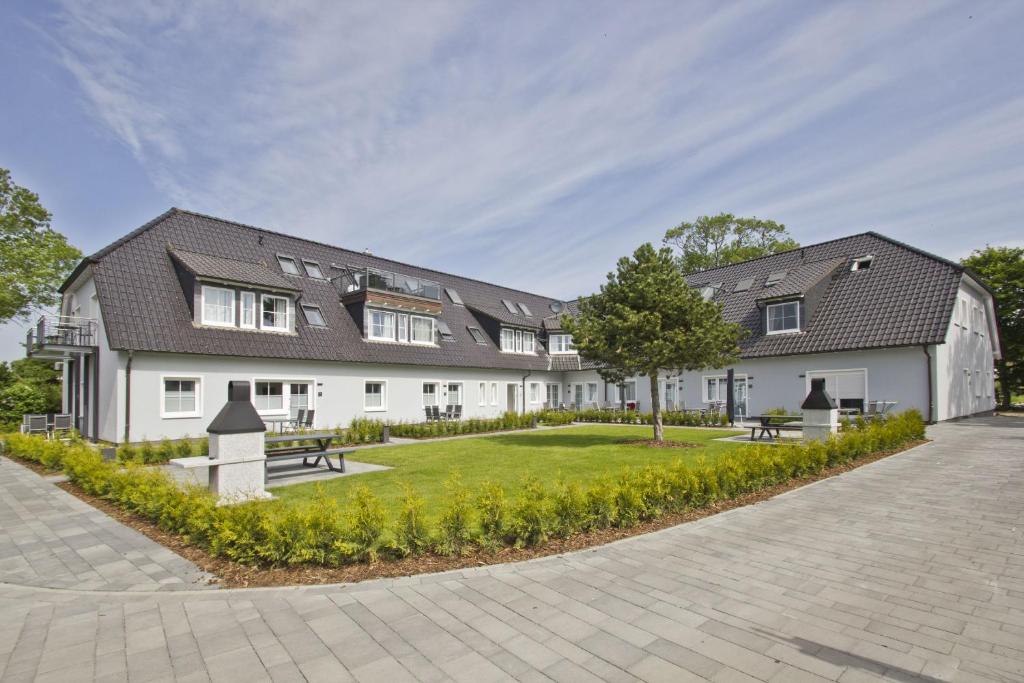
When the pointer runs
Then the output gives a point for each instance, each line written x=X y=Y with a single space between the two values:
x=518 y=341
x=561 y=343
x=862 y=263
x=218 y=306
x=275 y=313
x=288 y=265
x=784 y=317
x=313 y=269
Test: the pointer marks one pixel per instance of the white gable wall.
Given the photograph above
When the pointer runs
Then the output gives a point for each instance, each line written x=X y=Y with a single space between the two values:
x=965 y=363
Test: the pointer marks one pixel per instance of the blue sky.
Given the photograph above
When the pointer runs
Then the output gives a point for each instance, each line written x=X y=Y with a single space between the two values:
x=528 y=143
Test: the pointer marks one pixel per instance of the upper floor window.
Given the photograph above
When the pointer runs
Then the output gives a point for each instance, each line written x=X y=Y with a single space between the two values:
x=382 y=325
x=862 y=263
x=422 y=330
x=275 y=312
x=313 y=269
x=248 y=310
x=288 y=265
x=561 y=343
x=518 y=341
x=218 y=306
x=784 y=317
x=314 y=316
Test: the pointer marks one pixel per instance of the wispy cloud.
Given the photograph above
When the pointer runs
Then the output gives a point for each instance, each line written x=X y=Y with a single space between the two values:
x=535 y=142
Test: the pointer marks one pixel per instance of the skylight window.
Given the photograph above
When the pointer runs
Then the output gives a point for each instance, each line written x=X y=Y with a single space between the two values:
x=510 y=307
x=862 y=263
x=313 y=269
x=446 y=332
x=775 y=278
x=524 y=309
x=744 y=284
x=314 y=316
x=288 y=265
x=477 y=335
x=453 y=295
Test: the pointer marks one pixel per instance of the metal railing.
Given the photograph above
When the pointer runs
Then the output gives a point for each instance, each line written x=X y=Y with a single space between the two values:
x=359 y=279
x=61 y=330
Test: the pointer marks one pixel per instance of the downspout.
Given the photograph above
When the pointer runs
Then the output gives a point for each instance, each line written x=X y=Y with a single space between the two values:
x=931 y=400
x=528 y=373
x=128 y=396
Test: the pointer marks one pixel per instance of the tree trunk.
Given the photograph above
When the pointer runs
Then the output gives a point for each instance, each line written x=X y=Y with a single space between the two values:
x=659 y=429
x=1004 y=385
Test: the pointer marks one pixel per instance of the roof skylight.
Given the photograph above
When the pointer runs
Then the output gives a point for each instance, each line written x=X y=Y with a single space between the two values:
x=477 y=335
x=453 y=295
x=314 y=316
x=510 y=307
x=775 y=278
x=446 y=332
x=288 y=265
x=524 y=309
x=313 y=269
x=744 y=284
x=862 y=263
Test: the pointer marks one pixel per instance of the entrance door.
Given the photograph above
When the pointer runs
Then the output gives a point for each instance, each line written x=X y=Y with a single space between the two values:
x=670 y=395
x=298 y=400
x=740 y=397
x=512 y=398
x=577 y=396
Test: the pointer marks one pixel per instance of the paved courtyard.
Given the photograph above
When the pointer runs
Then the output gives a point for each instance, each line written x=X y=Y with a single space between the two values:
x=909 y=569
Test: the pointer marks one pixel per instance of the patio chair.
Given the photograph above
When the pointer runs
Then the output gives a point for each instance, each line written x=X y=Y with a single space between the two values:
x=61 y=425
x=429 y=415
x=300 y=417
x=37 y=425
x=435 y=413
x=308 y=422
x=449 y=410
x=457 y=413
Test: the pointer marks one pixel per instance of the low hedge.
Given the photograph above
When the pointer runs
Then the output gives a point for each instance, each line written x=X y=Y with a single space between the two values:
x=155 y=452
x=671 y=418
x=323 y=532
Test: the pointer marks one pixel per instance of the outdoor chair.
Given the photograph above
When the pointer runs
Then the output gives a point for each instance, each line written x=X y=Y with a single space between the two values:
x=308 y=422
x=457 y=413
x=37 y=425
x=429 y=415
x=449 y=410
x=436 y=413
x=300 y=416
x=61 y=425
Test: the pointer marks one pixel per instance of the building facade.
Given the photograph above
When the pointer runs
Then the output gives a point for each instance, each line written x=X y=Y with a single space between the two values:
x=154 y=326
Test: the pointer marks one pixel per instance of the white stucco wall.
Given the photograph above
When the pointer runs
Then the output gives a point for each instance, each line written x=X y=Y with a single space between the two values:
x=965 y=363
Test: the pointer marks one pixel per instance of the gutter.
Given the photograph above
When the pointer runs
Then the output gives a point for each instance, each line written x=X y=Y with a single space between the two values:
x=128 y=396
x=928 y=368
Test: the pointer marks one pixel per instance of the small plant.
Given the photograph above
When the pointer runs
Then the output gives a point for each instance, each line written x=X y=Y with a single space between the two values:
x=530 y=517
x=493 y=512
x=411 y=534
x=455 y=526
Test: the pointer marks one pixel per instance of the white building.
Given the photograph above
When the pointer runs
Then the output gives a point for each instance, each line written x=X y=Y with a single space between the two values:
x=154 y=326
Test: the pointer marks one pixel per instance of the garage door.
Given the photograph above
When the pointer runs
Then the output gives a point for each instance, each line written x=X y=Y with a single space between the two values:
x=848 y=387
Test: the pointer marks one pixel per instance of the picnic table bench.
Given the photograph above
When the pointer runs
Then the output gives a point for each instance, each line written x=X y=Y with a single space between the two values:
x=780 y=423
x=315 y=445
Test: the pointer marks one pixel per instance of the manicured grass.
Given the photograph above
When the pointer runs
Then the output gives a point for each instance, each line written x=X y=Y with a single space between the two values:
x=582 y=454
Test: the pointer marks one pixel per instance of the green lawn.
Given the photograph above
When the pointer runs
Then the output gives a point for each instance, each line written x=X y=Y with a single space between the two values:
x=579 y=453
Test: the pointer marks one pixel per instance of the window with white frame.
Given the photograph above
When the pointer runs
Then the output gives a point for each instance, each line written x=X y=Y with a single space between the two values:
x=248 y=310
x=561 y=343
x=275 y=312
x=382 y=325
x=181 y=397
x=375 y=395
x=529 y=342
x=430 y=392
x=403 y=327
x=963 y=314
x=553 y=395
x=218 y=306
x=508 y=340
x=784 y=317
x=494 y=393
x=269 y=397
x=298 y=398
x=422 y=330
x=849 y=387
x=455 y=393
x=591 y=392
x=482 y=394
x=977 y=383
x=534 y=392
x=518 y=341
x=629 y=391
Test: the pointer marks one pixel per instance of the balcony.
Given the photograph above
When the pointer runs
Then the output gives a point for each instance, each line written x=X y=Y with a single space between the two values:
x=362 y=279
x=55 y=335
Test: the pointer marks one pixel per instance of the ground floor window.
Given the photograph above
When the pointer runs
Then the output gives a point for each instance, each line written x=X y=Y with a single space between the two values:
x=534 y=392
x=181 y=397
x=298 y=398
x=269 y=396
x=554 y=395
x=848 y=387
x=591 y=392
x=455 y=393
x=375 y=396
x=430 y=393
x=482 y=395
x=629 y=391
x=494 y=393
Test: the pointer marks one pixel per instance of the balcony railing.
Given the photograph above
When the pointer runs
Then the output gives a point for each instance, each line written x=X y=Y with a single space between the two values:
x=359 y=279
x=61 y=330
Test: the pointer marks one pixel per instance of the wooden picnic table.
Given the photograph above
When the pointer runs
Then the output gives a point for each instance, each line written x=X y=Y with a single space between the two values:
x=316 y=445
x=778 y=423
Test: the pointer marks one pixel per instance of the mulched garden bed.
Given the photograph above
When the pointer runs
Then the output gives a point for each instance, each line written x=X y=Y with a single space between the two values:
x=651 y=443
x=233 y=575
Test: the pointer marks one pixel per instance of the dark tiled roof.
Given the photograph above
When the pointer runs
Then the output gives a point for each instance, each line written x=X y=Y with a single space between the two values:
x=144 y=308
x=564 y=362
x=231 y=270
x=904 y=298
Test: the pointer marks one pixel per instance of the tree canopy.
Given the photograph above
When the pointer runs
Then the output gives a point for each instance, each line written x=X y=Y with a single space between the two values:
x=27 y=386
x=34 y=258
x=646 y=318
x=712 y=241
x=1002 y=269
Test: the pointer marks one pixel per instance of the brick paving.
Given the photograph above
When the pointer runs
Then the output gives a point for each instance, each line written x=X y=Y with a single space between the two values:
x=908 y=569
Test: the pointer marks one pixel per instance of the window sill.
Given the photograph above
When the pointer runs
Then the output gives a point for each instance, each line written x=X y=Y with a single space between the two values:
x=375 y=410
x=180 y=416
x=777 y=332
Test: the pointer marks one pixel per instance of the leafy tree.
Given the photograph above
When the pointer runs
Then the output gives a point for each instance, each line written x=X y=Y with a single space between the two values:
x=1002 y=269
x=713 y=241
x=646 y=318
x=34 y=259
x=27 y=386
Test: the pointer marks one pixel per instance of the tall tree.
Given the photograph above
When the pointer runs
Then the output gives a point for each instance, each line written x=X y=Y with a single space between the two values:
x=1002 y=269
x=27 y=385
x=34 y=258
x=646 y=318
x=712 y=241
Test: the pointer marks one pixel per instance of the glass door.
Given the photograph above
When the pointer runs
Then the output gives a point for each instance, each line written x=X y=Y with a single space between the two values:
x=740 y=396
x=299 y=399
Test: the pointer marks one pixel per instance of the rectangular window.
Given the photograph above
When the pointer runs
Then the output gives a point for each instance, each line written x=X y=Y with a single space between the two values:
x=403 y=327
x=561 y=343
x=524 y=309
x=181 y=397
x=977 y=383
x=275 y=313
x=534 y=392
x=313 y=269
x=477 y=335
x=482 y=394
x=298 y=398
x=269 y=397
x=848 y=387
x=553 y=395
x=784 y=317
x=591 y=392
x=508 y=340
x=314 y=316
x=382 y=325
x=529 y=342
x=494 y=393
x=375 y=395
x=218 y=306
x=629 y=391
x=509 y=307
x=422 y=330
x=248 y=310
x=963 y=314
x=455 y=393
x=430 y=390
x=288 y=265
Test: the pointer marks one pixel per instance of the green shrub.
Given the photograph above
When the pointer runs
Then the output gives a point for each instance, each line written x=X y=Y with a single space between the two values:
x=530 y=519
x=493 y=512
x=455 y=526
x=411 y=534
x=569 y=507
x=367 y=526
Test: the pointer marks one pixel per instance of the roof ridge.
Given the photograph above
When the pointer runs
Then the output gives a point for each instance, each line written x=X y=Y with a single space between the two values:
x=916 y=250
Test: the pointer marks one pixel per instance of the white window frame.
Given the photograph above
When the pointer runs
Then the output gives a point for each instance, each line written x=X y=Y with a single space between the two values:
x=558 y=393
x=283 y=410
x=721 y=382
x=532 y=338
x=494 y=393
x=383 y=396
x=768 y=318
x=588 y=395
x=412 y=325
x=437 y=392
x=535 y=392
x=447 y=393
x=817 y=373
x=561 y=344
x=402 y=323
x=202 y=304
x=285 y=381
x=247 y=299
x=287 y=313
x=509 y=334
x=174 y=415
x=369 y=331
x=514 y=340
x=482 y=398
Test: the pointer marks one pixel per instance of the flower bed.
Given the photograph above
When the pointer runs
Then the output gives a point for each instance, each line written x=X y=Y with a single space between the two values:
x=322 y=532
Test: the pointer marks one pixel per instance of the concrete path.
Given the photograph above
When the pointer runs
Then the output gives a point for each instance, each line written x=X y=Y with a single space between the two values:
x=909 y=569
